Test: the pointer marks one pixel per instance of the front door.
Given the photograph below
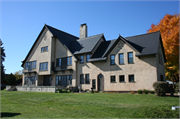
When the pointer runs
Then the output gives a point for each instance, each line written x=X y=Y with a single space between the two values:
x=100 y=82
x=46 y=80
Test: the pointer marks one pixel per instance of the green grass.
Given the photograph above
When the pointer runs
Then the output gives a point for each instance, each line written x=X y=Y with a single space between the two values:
x=16 y=104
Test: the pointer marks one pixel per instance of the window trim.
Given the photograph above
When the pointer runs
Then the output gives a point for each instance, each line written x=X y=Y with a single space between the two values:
x=82 y=60
x=44 y=49
x=45 y=66
x=124 y=79
x=123 y=59
x=87 y=58
x=111 y=79
x=132 y=58
x=86 y=78
x=114 y=59
x=129 y=78
x=82 y=78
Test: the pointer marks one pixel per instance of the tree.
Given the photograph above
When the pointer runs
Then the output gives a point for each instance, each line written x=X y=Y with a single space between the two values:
x=11 y=79
x=18 y=74
x=169 y=28
x=3 y=55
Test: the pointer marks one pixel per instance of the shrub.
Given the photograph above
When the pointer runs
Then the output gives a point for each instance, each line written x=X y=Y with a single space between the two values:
x=92 y=91
x=152 y=92
x=64 y=91
x=68 y=91
x=160 y=88
x=177 y=87
x=145 y=91
x=139 y=91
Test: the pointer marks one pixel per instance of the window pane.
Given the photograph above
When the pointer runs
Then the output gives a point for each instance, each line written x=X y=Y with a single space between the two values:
x=112 y=60
x=130 y=57
x=121 y=78
x=67 y=81
x=94 y=84
x=82 y=59
x=81 y=79
x=59 y=80
x=42 y=49
x=121 y=58
x=87 y=78
x=87 y=58
x=131 y=78
x=70 y=79
x=113 y=79
x=70 y=60
x=47 y=48
x=59 y=62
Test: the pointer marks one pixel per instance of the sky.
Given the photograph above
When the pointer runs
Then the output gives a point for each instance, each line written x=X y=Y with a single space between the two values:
x=22 y=21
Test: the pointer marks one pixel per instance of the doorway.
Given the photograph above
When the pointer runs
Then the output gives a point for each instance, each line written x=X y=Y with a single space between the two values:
x=100 y=82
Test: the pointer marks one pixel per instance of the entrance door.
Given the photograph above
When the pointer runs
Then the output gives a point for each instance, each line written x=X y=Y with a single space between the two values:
x=64 y=81
x=100 y=82
x=47 y=81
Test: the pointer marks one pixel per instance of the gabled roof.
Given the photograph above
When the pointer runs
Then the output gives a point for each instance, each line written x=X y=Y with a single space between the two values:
x=146 y=43
x=65 y=38
x=88 y=43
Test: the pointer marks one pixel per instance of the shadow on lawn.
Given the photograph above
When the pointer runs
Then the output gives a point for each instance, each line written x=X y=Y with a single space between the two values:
x=7 y=114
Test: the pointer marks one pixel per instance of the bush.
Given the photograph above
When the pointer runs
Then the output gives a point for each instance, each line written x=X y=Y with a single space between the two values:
x=139 y=91
x=68 y=91
x=177 y=87
x=160 y=88
x=152 y=92
x=145 y=91
x=64 y=91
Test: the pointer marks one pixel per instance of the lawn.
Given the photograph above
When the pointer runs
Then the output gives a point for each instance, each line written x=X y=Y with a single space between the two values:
x=16 y=104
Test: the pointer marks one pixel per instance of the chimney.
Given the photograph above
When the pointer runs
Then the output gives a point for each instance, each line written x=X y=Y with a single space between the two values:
x=83 y=31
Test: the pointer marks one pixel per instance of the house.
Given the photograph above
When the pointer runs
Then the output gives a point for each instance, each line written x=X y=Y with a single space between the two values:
x=61 y=60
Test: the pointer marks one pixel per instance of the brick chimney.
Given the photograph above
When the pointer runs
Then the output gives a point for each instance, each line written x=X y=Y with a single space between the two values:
x=83 y=31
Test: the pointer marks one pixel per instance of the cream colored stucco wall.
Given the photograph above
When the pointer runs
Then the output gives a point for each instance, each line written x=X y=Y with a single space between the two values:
x=40 y=57
x=144 y=70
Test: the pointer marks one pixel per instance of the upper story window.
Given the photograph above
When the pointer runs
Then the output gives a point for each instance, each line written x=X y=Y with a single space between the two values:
x=121 y=58
x=112 y=59
x=69 y=60
x=64 y=61
x=30 y=65
x=87 y=58
x=43 y=66
x=130 y=57
x=44 y=49
x=82 y=59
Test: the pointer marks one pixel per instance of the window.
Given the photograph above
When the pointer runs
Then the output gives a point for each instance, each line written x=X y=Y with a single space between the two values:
x=69 y=60
x=60 y=62
x=70 y=79
x=67 y=80
x=113 y=79
x=131 y=78
x=34 y=64
x=30 y=65
x=94 y=84
x=30 y=81
x=49 y=80
x=87 y=58
x=112 y=59
x=121 y=58
x=44 y=49
x=121 y=78
x=130 y=57
x=87 y=78
x=58 y=80
x=82 y=59
x=43 y=66
x=81 y=78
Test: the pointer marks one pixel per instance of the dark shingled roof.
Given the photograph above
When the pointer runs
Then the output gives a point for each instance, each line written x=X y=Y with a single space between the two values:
x=146 y=44
x=88 y=43
x=64 y=38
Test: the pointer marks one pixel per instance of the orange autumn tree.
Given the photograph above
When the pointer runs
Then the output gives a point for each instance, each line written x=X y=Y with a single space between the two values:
x=169 y=28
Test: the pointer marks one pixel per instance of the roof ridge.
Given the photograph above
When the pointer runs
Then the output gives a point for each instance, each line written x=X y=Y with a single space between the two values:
x=89 y=37
x=61 y=31
x=141 y=34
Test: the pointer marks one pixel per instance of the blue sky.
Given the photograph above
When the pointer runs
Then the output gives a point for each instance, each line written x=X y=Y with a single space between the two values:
x=22 y=21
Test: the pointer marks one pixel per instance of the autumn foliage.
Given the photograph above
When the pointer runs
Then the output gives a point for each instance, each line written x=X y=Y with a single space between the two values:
x=169 y=28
